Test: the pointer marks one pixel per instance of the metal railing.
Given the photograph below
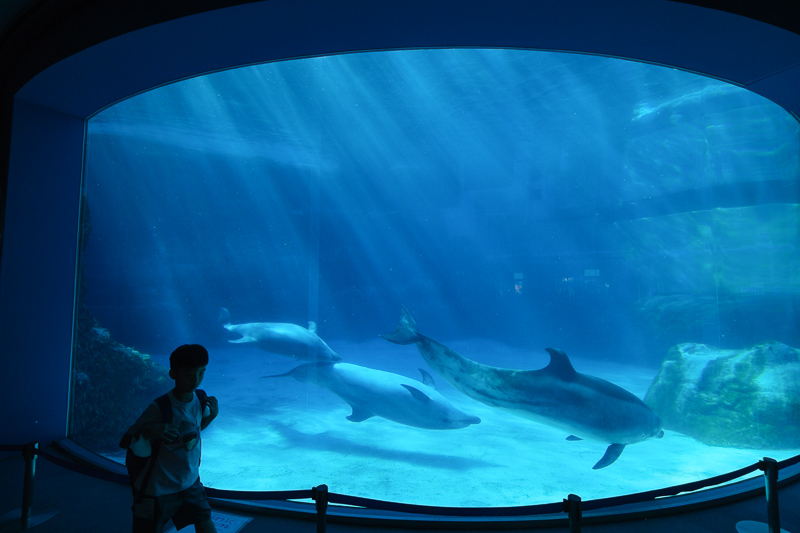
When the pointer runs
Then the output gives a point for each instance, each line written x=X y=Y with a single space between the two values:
x=573 y=506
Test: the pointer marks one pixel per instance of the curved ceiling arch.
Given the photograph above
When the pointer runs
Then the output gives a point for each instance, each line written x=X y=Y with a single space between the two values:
x=746 y=52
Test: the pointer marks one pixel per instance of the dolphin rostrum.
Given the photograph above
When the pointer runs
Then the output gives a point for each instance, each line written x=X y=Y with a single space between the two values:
x=284 y=339
x=371 y=392
x=556 y=395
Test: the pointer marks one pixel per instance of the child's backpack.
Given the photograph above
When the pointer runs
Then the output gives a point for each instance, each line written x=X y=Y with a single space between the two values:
x=135 y=464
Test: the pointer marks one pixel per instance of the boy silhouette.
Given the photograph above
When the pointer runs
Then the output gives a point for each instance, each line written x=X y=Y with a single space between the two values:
x=173 y=489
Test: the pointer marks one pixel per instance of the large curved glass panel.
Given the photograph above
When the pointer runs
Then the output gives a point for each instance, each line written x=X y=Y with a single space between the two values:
x=640 y=221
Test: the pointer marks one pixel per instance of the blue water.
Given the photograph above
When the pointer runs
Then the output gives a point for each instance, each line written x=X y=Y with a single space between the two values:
x=514 y=200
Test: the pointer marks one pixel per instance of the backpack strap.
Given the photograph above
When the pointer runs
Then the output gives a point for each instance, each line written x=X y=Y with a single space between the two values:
x=203 y=397
x=165 y=406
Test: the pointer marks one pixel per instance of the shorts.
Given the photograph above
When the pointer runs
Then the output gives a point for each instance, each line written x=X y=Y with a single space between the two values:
x=186 y=507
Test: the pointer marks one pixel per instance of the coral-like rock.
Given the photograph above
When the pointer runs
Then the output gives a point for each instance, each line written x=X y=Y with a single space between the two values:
x=746 y=398
x=112 y=384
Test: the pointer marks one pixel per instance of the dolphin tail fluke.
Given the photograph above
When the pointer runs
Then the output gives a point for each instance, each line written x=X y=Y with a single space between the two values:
x=612 y=454
x=406 y=332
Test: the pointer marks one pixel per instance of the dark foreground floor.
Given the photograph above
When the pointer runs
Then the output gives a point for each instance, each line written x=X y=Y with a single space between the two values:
x=84 y=503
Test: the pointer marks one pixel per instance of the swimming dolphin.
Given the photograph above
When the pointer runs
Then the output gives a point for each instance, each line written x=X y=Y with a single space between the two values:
x=284 y=339
x=391 y=396
x=556 y=395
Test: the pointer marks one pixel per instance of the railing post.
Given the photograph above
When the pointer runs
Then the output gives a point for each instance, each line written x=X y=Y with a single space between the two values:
x=29 y=454
x=320 y=496
x=770 y=468
x=572 y=505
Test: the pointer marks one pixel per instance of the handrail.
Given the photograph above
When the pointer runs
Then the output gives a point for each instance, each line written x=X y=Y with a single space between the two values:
x=770 y=468
x=523 y=510
x=29 y=452
x=573 y=507
x=320 y=494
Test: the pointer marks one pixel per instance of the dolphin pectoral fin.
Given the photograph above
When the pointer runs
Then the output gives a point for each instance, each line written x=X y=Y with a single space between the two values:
x=243 y=339
x=427 y=379
x=416 y=393
x=312 y=327
x=359 y=415
x=612 y=454
x=573 y=437
x=660 y=434
x=224 y=316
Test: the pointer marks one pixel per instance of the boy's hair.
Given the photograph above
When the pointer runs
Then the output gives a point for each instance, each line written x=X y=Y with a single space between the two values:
x=188 y=356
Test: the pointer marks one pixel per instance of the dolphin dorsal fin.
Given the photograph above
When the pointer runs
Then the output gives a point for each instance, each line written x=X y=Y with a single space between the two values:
x=312 y=327
x=427 y=379
x=559 y=364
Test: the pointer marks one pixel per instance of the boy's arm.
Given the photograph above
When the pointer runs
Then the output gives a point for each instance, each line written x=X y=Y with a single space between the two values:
x=149 y=426
x=213 y=410
x=134 y=438
x=149 y=416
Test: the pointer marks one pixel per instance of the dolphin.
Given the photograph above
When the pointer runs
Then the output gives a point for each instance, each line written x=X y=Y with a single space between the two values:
x=284 y=339
x=584 y=406
x=371 y=392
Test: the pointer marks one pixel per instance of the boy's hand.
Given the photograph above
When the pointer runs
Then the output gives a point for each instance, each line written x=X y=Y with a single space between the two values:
x=167 y=432
x=213 y=407
x=213 y=411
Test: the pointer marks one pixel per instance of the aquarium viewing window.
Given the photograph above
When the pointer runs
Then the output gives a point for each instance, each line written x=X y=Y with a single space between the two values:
x=434 y=220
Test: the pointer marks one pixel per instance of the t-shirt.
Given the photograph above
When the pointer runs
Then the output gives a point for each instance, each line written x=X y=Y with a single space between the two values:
x=178 y=461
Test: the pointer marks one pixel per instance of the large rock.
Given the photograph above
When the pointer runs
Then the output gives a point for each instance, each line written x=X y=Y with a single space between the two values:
x=746 y=398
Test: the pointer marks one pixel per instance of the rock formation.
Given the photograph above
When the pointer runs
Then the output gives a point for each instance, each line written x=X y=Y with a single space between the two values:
x=747 y=398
